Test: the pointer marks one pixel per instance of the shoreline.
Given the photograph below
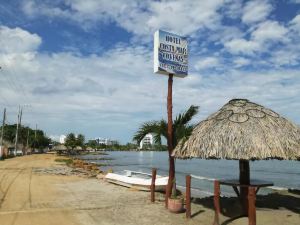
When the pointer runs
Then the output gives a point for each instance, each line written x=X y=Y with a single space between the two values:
x=32 y=198
x=200 y=170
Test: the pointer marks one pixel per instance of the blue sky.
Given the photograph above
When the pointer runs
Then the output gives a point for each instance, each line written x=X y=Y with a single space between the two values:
x=86 y=65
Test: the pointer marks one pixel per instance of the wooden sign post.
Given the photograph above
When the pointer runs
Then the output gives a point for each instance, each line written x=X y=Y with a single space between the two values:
x=170 y=141
x=171 y=59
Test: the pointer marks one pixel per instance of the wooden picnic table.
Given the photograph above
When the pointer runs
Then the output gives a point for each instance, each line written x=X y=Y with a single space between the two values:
x=247 y=195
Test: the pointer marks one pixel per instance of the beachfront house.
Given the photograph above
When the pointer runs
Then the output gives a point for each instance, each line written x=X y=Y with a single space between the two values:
x=147 y=140
x=62 y=139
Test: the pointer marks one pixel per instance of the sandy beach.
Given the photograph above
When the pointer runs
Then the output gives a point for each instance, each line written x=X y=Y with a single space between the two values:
x=29 y=197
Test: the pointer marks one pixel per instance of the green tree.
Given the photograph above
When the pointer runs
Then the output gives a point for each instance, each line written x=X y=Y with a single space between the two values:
x=71 y=141
x=182 y=129
x=92 y=143
x=41 y=141
x=80 y=140
x=38 y=141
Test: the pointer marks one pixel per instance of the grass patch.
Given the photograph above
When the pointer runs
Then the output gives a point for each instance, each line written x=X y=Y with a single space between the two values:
x=64 y=160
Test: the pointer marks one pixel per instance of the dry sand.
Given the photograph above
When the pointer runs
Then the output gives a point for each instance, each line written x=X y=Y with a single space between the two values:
x=28 y=197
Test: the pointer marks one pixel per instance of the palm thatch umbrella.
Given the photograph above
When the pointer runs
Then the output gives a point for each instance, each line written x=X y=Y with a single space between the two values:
x=245 y=131
x=78 y=148
x=60 y=148
x=89 y=149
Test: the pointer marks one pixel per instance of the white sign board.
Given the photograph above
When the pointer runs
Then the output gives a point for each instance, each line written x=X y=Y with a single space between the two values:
x=170 y=54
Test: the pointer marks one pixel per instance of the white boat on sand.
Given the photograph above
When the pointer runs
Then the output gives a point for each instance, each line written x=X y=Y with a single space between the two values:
x=137 y=180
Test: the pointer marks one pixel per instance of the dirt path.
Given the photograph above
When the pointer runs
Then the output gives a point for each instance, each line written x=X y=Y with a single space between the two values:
x=26 y=198
x=31 y=198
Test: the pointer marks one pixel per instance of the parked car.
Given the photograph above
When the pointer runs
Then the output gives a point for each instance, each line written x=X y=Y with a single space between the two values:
x=19 y=152
x=12 y=152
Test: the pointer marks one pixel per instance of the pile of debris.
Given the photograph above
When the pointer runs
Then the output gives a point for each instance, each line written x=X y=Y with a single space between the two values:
x=65 y=171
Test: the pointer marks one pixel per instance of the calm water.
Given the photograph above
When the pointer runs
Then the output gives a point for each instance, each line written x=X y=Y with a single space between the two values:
x=282 y=173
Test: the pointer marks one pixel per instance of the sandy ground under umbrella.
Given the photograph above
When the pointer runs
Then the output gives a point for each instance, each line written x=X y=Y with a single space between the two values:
x=28 y=197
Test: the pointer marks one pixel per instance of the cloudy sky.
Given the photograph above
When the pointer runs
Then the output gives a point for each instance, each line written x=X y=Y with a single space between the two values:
x=87 y=65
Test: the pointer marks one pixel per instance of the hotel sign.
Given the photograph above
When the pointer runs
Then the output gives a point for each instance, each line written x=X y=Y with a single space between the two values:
x=170 y=54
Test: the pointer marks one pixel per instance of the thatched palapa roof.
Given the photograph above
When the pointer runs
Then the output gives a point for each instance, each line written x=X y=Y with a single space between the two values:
x=78 y=148
x=89 y=148
x=242 y=130
x=60 y=148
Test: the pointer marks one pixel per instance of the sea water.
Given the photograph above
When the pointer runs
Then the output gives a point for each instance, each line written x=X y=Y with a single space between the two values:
x=283 y=173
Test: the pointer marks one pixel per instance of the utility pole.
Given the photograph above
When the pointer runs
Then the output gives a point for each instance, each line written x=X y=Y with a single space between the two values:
x=3 y=123
x=27 y=140
x=2 y=132
x=35 y=137
x=21 y=116
x=17 y=130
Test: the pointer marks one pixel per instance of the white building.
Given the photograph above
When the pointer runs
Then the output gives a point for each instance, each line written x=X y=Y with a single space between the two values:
x=147 y=140
x=105 y=141
x=62 y=139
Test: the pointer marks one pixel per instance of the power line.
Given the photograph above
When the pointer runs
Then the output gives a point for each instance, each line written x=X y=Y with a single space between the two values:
x=3 y=97
x=18 y=86
x=16 y=80
x=13 y=84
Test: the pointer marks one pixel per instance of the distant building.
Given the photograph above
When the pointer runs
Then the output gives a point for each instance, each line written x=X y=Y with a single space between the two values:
x=106 y=141
x=147 y=140
x=62 y=139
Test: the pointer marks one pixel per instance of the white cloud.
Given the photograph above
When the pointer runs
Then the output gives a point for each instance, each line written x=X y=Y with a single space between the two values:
x=295 y=23
x=63 y=87
x=256 y=11
x=277 y=89
x=242 y=46
x=16 y=40
x=286 y=56
x=206 y=63
x=33 y=9
x=261 y=39
x=111 y=94
x=240 y=62
x=224 y=34
x=269 y=31
x=182 y=16
x=233 y=8
x=138 y=17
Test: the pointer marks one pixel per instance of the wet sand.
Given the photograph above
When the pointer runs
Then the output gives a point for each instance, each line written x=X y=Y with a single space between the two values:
x=31 y=198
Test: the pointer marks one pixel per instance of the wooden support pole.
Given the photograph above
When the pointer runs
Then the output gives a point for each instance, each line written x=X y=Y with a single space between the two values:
x=251 y=206
x=217 y=202
x=188 y=197
x=152 y=187
x=244 y=179
x=170 y=141
x=167 y=194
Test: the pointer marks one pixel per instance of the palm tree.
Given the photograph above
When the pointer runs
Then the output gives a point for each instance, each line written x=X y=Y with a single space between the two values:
x=181 y=131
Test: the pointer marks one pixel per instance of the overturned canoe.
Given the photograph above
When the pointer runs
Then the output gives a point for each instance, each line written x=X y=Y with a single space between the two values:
x=137 y=180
